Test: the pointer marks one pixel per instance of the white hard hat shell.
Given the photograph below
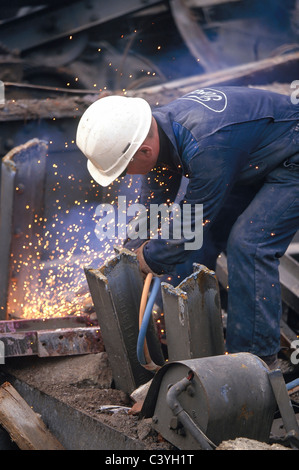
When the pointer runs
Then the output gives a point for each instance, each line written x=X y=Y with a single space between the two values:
x=110 y=132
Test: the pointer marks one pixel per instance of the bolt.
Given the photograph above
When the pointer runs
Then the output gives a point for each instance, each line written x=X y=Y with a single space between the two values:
x=190 y=391
x=173 y=423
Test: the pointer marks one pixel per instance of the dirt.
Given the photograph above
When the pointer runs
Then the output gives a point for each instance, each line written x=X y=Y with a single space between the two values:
x=86 y=383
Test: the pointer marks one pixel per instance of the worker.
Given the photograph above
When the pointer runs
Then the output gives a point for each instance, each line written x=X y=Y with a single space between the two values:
x=238 y=149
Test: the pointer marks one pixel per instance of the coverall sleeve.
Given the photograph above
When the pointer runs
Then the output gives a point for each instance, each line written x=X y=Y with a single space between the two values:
x=212 y=173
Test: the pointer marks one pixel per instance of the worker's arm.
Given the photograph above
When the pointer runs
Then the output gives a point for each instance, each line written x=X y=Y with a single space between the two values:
x=212 y=173
x=159 y=186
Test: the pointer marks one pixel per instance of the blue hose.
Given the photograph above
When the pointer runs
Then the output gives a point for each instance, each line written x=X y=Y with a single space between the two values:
x=292 y=384
x=146 y=318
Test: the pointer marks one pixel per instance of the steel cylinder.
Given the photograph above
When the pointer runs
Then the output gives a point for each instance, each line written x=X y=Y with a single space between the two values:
x=228 y=396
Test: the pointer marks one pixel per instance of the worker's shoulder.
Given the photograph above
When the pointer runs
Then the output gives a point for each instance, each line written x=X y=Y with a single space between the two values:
x=223 y=106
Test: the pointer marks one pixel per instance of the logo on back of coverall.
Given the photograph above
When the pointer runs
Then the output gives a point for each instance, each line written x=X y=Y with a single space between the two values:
x=214 y=100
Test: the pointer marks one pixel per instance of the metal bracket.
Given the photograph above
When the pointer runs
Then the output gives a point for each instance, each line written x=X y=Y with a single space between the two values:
x=285 y=407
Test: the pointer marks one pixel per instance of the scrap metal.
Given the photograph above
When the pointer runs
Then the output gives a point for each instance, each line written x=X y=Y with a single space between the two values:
x=50 y=337
x=116 y=290
x=193 y=313
x=21 y=204
x=222 y=400
x=21 y=226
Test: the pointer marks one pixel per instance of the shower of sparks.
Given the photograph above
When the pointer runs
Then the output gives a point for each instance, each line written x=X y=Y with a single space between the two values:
x=49 y=278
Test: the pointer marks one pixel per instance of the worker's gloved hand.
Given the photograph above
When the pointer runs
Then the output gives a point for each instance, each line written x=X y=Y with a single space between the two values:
x=144 y=267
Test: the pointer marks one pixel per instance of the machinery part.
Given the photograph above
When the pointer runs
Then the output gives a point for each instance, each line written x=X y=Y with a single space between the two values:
x=59 y=53
x=285 y=407
x=229 y=396
x=178 y=411
x=197 y=42
x=110 y=132
x=63 y=20
x=217 y=33
x=193 y=313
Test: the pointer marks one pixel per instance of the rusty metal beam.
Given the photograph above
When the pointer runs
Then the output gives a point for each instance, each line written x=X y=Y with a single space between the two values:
x=51 y=337
x=116 y=290
x=279 y=69
x=193 y=316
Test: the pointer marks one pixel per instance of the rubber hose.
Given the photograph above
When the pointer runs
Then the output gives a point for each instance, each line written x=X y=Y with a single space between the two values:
x=145 y=320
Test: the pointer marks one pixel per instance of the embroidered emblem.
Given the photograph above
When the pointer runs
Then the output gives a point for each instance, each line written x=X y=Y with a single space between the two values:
x=214 y=100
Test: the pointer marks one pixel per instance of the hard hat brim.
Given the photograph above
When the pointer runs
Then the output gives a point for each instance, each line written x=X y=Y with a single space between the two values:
x=100 y=177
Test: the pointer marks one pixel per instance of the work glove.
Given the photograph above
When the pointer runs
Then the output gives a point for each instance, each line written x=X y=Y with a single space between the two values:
x=144 y=267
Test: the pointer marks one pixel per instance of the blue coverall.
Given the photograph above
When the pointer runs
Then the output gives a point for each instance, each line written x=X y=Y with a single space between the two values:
x=239 y=149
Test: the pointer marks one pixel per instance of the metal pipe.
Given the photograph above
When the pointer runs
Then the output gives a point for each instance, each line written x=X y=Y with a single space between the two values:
x=177 y=409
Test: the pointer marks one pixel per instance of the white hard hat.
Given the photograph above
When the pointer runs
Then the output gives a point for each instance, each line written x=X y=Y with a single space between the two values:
x=110 y=132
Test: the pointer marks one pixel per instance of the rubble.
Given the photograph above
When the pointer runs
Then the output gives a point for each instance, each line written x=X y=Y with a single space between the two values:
x=242 y=443
x=86 y=371
x=85 y=384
